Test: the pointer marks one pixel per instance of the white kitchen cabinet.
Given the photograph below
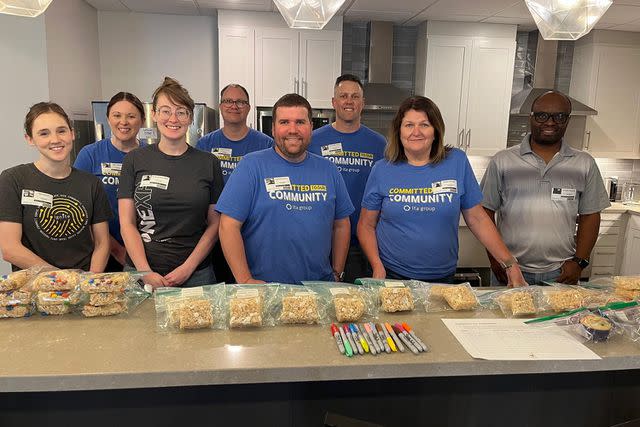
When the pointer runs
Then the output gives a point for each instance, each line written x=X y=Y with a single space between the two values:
x=304 y=62
x=237 y=60
x=605 y=256
x=631 y=256
x=605 y=76
x=469 y=76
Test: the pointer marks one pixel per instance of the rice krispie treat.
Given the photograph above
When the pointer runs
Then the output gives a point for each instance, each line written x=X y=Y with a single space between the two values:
x=245 y=309
x=104 y=310
x=521 y=303
x=194 y=314
x=15 y=297
x=349 y=307
x=58 y=280
x=15 y=280
x=105 y=282
x=13 y=311
x=460 y=297
x=565 y=299
x=394 y=299
x=300 y=307
x=105 y=298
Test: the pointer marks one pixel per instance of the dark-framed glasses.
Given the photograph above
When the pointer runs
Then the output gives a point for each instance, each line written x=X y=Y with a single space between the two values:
x=542 y=117
x=240 y=103
x=181 y=113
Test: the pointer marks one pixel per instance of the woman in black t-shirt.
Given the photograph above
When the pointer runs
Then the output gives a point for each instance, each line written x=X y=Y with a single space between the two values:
x=52 y=213
x=167 y=197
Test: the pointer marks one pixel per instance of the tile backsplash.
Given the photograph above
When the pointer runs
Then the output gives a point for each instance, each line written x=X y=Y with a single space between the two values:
x=625 y=169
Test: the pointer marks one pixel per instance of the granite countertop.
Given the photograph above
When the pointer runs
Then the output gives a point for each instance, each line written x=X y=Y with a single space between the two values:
x=74 y=353
x=618 y=207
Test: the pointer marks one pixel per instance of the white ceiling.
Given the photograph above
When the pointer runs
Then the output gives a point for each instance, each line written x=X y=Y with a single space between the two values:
x=623 y=15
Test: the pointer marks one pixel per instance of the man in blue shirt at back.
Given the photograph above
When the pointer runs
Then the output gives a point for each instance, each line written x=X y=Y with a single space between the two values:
x=285 y=211
x=353 y=148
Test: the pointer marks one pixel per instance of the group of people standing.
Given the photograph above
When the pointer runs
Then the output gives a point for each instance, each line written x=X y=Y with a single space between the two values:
x=334 y=204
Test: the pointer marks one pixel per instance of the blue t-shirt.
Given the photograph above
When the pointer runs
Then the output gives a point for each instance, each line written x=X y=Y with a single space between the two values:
x=104 y=160
x=354 y=154
x=231 y=152
x=419 y=206
x=287 y=210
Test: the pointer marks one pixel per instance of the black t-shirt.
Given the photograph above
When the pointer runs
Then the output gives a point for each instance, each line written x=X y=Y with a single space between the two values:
x=56 y=214
x=172 y=195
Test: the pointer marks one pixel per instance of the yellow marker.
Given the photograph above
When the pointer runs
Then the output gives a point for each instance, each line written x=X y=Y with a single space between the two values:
x=365 y=346
x=392 y=345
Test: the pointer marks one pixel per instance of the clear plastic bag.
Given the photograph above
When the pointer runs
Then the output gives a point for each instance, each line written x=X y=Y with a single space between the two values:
x=445 y=297
x=520 y=302
x=397 y=295
x=562 y=298
x=56 y=280
x=626 y=318
x=109 y=294
x=200 y=307
x=18 y=279
x=300 y=305
x=57 y=302
x=251 y=305
x=346 y=302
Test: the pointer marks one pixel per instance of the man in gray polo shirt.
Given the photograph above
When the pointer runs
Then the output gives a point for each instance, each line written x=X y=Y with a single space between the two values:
x=540 y=189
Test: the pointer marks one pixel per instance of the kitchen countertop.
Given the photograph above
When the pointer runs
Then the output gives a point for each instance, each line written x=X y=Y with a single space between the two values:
x=74 y=353
x=618 y=207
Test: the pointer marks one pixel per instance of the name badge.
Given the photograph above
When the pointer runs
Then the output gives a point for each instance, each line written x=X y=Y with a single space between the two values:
x=156 y=181
x=222 y=153
x=332 y=149
x=147 y=133
x=445 y=186
x=37 y=198
x=277 y=183
x=111 y=169
x=566 y=194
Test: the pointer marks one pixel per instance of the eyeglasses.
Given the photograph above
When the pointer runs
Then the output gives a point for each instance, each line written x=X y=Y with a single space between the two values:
x=165 y=113
x=542 y=117
x=240 y=103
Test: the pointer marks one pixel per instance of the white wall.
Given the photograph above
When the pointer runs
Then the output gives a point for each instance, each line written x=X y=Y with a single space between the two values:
x=23 y=75
x=72 y=56
x=138 y=49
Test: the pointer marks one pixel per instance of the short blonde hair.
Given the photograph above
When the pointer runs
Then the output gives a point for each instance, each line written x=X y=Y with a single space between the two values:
x=394 y=151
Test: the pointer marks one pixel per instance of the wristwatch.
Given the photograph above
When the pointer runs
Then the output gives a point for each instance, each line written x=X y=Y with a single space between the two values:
x=508 y=263
x=339 y=276
x=583 y=263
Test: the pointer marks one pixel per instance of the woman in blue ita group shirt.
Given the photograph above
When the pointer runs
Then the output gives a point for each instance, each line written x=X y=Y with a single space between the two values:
x=125 y=114
x=411 y=207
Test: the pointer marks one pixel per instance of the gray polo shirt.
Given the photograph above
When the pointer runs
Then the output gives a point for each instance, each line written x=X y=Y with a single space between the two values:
x=537 y=204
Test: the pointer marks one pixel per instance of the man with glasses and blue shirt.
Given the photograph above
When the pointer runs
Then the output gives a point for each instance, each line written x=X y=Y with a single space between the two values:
x=230 y=144
x=541 y=189
x=235 y=139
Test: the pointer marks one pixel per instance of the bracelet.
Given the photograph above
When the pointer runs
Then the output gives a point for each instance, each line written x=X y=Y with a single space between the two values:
x=508 y=263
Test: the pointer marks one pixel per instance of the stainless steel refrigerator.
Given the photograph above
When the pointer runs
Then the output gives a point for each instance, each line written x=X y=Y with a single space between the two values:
x=205 y=120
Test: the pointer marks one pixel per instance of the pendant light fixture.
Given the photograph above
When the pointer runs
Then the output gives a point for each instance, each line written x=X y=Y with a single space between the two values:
x=312 y=14
x=566 y=19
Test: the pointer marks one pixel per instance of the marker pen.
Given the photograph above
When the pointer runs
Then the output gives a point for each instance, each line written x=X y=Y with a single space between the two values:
x=400 y=333
x=363 y=342
x=382 y=339
x=336 y=336
x=394 y=337
x=384 y=332
x=356 y=339
x=409 y=337
x=347 y=346
x=347 y=332
x=413 y=334
x=372 y=337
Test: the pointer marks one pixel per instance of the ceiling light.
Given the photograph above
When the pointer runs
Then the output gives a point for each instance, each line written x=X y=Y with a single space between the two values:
x=31 y=8
x=313 y=14
x=566 y=19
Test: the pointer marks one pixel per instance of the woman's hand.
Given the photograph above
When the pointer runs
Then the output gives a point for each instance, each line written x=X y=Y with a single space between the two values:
x=179 y=275
x=155 y=280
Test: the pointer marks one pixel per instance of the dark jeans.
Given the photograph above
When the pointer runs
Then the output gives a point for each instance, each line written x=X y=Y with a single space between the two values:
x=396 y=276
x=357 y=265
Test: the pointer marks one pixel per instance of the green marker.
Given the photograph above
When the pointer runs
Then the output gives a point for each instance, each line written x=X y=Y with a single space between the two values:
x=347 y=346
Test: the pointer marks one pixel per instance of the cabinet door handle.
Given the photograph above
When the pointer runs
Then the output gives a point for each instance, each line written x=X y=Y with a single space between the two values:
x=468 y=140
x=586 y=146
x=459 y=139
x=305 y=89
x=295 y=85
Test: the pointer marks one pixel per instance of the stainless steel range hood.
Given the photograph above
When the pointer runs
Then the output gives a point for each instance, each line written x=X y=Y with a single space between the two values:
x=379 y=93
x=543 y=81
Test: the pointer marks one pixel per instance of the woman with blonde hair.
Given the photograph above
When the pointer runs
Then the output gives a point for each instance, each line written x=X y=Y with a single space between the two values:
x=167 y=198
x=411 y=207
